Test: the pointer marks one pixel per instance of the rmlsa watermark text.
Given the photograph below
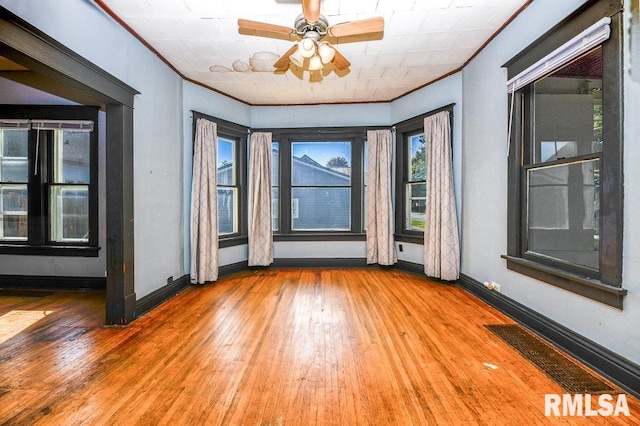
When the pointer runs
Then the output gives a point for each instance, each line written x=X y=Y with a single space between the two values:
x=584 y=405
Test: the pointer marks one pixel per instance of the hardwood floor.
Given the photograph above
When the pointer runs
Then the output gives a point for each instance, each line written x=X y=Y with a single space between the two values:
x=289 y=346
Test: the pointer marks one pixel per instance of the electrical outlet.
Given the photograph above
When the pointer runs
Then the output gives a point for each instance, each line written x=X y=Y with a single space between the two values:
x=170 y=280
x=496 y=286
x=400 y=247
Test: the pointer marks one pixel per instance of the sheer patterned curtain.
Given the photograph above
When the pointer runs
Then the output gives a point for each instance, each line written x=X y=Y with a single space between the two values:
x=441 y=242
x=204 y=202
x=380 y=244
x=260 y=233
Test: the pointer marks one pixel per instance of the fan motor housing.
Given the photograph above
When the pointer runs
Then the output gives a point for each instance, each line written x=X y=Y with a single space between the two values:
x=304 y=27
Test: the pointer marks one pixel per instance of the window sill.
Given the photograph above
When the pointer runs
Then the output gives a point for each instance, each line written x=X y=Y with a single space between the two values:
x=236 y=240
x=73 y=251
x=320 y=236
x=406 y=238
x=587 y=287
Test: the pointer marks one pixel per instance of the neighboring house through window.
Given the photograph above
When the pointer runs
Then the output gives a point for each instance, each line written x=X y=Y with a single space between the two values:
x=317 y=186
x=227 y=187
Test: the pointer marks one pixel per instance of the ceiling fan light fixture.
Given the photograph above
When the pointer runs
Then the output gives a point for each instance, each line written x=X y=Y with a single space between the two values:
x=315 y=63
x=326 y=52
x=307 y=47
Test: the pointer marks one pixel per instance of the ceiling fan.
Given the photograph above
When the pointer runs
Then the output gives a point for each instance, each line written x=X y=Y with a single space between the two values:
x=309 y=30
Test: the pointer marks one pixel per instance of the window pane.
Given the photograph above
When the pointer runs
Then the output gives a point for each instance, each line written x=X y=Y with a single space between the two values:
x=563 y=212
x=321 y=209
x=13 y=212
x=72 y=157
x=227 y=216
x=69 y=213
x=321 y=163
x=365 y=168
x=13 y=155
x=417 y=158
x=568 y=110
x=275 y=164
x=275 y=193
x=14 y=170
x=416 y=196
x=226 y=162
x=275 y=212
x=14 y=143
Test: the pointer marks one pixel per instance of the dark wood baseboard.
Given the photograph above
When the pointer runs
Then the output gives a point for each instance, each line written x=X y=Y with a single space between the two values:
x=226 y=270
x=37 y=282
x=303 y=262
x=616 y=368
x=161 y=295
x=415 y=268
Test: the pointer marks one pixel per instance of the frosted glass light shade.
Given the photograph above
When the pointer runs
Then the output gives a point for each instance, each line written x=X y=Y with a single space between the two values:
x=326 y=53
x=307 y=47
x=297 y=59
x=315 y=63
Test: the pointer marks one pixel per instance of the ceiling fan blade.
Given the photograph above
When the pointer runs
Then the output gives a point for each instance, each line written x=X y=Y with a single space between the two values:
x=339 y=61
x=363 y=26
x=248 y=27
x=283 y=62
x=311 y=10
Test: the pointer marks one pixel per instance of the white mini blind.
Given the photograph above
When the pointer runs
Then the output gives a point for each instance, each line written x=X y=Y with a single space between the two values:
x=14 y=124
x=76 y=125
x=577 y=46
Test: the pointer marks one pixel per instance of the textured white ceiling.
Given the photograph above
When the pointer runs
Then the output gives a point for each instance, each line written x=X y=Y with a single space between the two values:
x=423 y=40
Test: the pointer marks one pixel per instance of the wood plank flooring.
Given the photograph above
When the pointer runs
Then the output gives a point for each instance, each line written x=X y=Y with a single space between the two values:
x=290 y=346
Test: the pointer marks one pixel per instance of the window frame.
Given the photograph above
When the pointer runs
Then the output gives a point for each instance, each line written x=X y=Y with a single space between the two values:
x=239 y=134
x=606 y=285
x=285 y=137
x=403 y=131
x=39 y=241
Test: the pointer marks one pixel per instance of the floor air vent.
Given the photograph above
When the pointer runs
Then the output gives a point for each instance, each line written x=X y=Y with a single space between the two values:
x=562 y=370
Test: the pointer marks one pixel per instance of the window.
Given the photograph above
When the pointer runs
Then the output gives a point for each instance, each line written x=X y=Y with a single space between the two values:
x=565 y=163
x=227 y=187
x=365 y=190
x=411 y=177
x=69 y=187
x=275 y=187
x=321 y=186
x=318 y=183
x=48 y=180
x=231 y=177
x=416 y=185
x=13 y=184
